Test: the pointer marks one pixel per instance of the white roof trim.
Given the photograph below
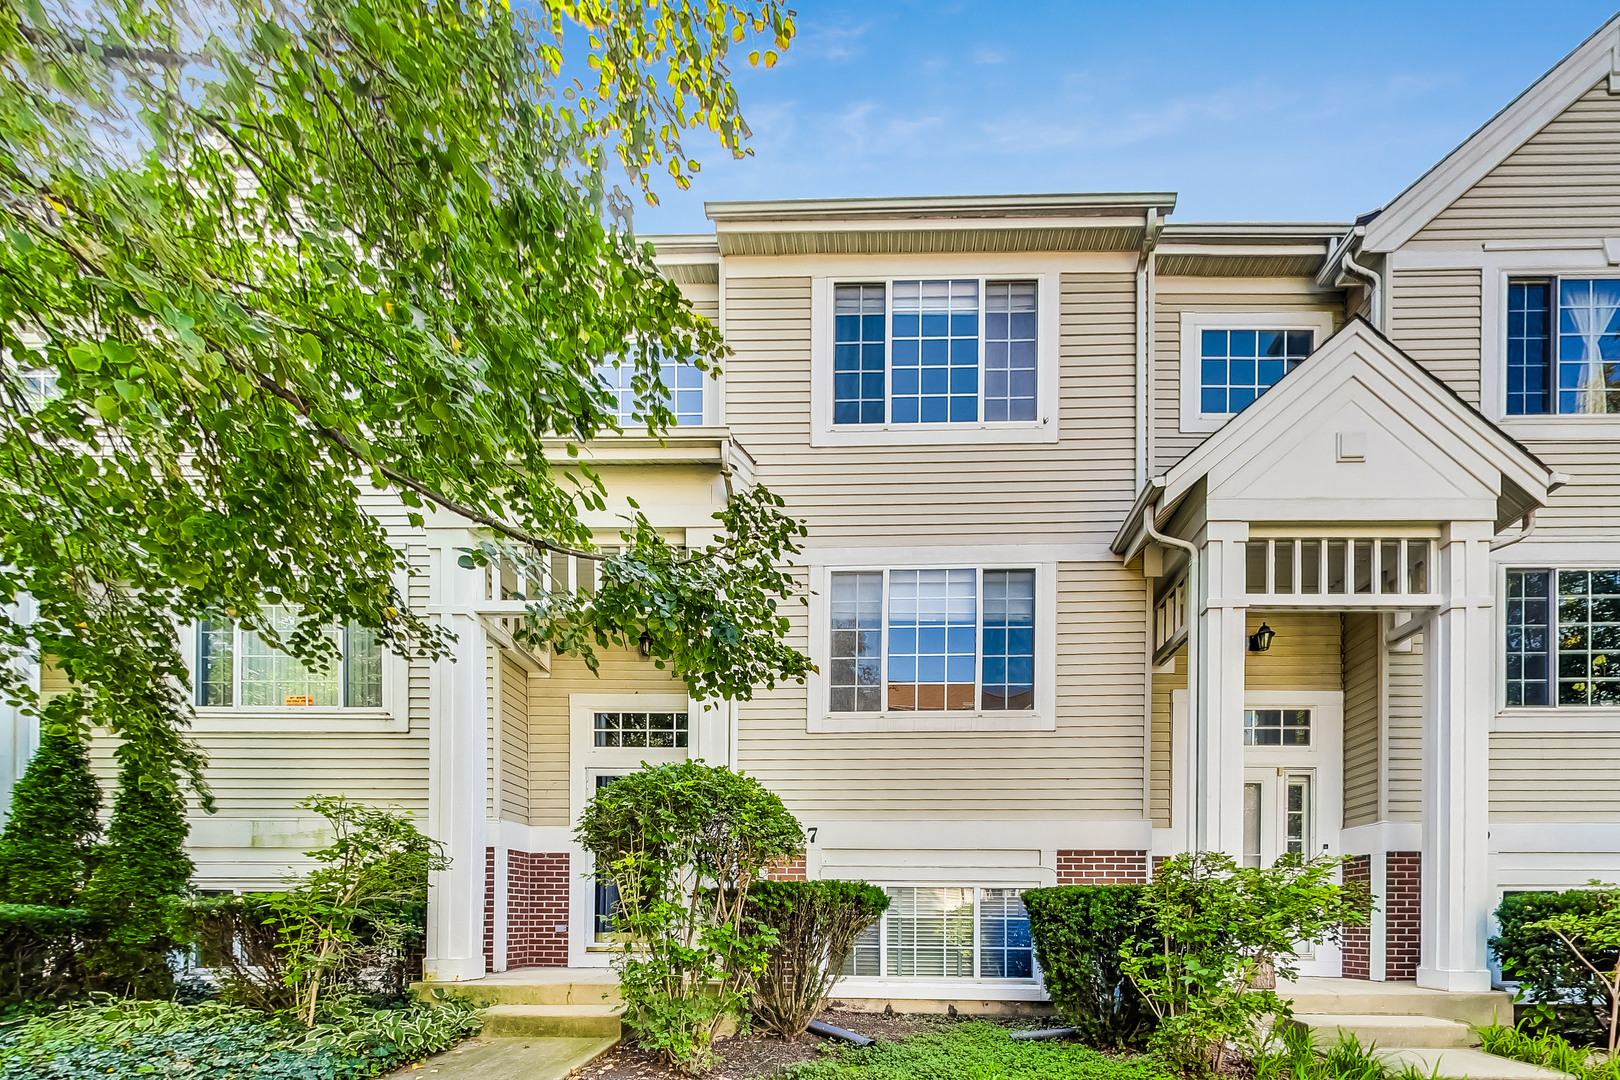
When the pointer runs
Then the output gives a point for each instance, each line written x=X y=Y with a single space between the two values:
x=1488 y=147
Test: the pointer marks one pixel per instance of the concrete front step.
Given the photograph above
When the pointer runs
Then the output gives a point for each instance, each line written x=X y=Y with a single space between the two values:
x=1466 y=1065
x=1356 y=997
x=552 y=1021
x=530 y=986
x=1417 y=1032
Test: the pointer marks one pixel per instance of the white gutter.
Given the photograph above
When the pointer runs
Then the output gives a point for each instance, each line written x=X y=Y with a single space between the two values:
x=1342 y=262
x=1150 y=526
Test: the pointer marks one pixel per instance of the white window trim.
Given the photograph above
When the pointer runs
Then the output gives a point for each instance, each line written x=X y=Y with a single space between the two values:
x=1493 y=360
x=1043 y=429
x=1544 y=719
x=1193 y=323
x=943 y=985
x=820 y=720
x=393 y=715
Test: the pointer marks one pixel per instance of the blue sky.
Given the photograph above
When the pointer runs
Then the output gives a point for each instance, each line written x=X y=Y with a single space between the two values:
x=1302 y=111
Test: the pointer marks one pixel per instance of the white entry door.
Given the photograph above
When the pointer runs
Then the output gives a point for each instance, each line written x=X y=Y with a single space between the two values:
x=1293 y=768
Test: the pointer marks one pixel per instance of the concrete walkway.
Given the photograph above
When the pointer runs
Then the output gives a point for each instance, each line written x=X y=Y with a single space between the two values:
x=509 y=1059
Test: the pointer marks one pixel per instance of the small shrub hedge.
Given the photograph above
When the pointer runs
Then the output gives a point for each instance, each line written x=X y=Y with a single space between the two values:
x=1080 y=932
x=39 y=946
x=816 y=924
x=977 y=1051
x=1564 y=995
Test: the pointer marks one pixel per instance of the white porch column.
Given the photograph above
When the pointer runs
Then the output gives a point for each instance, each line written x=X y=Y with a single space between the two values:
x=457 y=750
x=1458 y=681
x=1216 y=730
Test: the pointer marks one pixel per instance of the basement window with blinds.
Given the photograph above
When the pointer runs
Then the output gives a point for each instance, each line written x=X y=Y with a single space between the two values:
x=947 y=932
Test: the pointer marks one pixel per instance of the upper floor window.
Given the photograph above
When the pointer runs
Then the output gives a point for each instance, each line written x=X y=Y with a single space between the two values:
x=236 y=667
x=1562 y=637
x=1237 y=366
x=1563 y=360
x=934 y=351
x=932 y=641
x=688 y=388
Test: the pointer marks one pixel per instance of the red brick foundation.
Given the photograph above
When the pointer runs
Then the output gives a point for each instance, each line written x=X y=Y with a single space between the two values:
x=1358 y=939
x=1403 y=886
x=1090 y=867
x=792 y=870
x=536 y=909
x=489 y=910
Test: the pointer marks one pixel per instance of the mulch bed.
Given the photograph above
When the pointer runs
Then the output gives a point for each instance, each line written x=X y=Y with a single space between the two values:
x=747 y=1056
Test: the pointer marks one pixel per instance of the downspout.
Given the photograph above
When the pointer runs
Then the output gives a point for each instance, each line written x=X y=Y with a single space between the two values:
x=1375 y=286
x=1144 y=345
x=1527 y=525
x=1149 y=519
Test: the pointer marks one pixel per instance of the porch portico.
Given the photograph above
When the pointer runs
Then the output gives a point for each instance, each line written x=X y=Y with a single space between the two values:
x=1358 y=485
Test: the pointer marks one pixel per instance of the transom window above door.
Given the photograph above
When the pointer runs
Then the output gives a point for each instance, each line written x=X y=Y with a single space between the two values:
x=935 y=351
x=1563 y=346
x=1277 y=727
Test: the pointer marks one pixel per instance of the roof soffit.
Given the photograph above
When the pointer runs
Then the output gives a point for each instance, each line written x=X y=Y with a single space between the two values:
x=1416 y=429
x=1500 y=136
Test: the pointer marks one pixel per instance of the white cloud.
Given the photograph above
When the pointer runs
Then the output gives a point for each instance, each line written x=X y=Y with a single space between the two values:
x=985 y=54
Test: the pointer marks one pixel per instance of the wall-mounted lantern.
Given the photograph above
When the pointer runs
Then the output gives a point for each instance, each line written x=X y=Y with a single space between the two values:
x=1260 y=640
x=646 y=645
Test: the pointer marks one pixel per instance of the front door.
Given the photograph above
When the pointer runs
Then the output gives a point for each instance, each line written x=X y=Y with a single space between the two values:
x=1292 y=787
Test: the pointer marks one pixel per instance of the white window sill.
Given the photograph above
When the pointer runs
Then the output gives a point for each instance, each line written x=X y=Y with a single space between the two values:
x=939 y=721
x=1551 y=721
x=295 y=719
x=1572 y=426
x=979 y=434
x=1204 y=423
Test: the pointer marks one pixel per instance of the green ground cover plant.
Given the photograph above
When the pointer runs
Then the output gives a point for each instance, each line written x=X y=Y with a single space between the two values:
x=1292 y=1055
x=108 y=1036
x=1535 y=1045
x=978 y=1051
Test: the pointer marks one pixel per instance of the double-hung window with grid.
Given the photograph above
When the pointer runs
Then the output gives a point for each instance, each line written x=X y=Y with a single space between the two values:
x=938 y=640
x=934 y=351
x=1562 y=644
x=237 y=668
x=1237 y=366
x=1563 y=346
x=687 y=388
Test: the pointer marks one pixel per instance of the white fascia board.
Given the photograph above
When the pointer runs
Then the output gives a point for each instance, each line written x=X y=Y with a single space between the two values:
x=1489 y=146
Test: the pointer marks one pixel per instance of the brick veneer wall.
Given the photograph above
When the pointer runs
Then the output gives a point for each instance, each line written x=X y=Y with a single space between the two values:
x=1089 y=867
x=489 y=910
x=1358 y=939
x=793 y=870
x=536 y=909
x=1403 y=886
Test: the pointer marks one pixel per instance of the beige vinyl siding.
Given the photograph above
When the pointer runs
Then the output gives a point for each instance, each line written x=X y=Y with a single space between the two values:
x=1305 y=655
x=622 y=672
x=1091 y=766
x=1177 y=295
x=1555 y=776
x=1075 y=491
x=1362 y=677
x=514 y=787
x=1564 y=182
x=492 y=718
x=1165 y=684
x=1435 y=318
x=1587 y=508
x=1404 y=737
x=52 y=680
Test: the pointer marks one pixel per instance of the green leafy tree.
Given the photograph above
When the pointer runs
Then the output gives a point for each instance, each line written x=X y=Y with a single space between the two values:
x=1593 y=938
x=139 y=879
x=259 y=260
x=49 y=844
x=683 y=842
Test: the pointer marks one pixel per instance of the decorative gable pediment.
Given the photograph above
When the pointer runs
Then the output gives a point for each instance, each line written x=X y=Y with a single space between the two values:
x=1358 y=433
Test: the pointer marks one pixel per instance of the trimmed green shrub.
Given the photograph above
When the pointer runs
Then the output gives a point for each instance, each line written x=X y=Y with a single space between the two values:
x=139 y=879
x=38 y=946
x=683 y=843
x=1565 y=996
x=816 y=924
x=47 y=850
x=1080 y=932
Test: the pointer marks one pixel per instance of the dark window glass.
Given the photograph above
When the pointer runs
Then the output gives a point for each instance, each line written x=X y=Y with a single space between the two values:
x=1009 y=639
x=1588 y=637
x=1529 y=348
x=858 y=354
x=1237 y=366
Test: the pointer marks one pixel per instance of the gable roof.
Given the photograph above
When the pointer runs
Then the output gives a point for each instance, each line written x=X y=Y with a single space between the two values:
x=1429 y=455
x=1488 y=147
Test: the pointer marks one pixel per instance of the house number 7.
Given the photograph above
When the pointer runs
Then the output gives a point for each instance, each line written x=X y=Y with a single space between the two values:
x=812 y=831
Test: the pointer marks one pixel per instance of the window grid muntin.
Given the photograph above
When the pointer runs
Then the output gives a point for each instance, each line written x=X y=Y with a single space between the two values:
x=860 y=353
x=1011 y=350
x=833 y=641
x=1007 y=641
x=354 y=681
x=983 y=282
x=932 y=640
x=1276 y=727
x=1576 y=382
x=1237 y=365
x=686 y=384
x=1527 y=648
x=996 y=926
x=1588 y=659
x=855 y=671
x=640 y=729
